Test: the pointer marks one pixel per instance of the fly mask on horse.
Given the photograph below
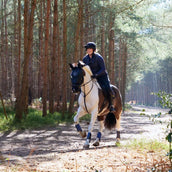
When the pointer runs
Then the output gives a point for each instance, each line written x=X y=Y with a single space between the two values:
x=89 y=103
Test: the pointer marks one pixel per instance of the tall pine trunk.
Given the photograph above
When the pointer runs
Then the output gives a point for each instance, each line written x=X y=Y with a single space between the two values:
x=103 y=38
x=111 y=51
x=120 y=65
x=41 y=48
x=2 y=55
x=76 y=47
x=124 y=69
x=45 y=86
x=64 y=79
x=22 y=102
x=6 y=53
x=53 y=61
x=59 y=66
x=18 y=66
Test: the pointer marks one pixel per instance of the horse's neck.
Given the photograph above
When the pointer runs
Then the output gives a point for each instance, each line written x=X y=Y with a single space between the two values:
x=88 y=84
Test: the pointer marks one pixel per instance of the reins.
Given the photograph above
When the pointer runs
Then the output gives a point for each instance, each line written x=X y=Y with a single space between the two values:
x=85 y=95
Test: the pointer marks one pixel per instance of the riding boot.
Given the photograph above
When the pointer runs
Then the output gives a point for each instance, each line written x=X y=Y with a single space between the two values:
x=112 y=97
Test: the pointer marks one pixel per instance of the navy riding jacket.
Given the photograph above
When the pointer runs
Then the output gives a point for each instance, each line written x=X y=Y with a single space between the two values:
x=96 y=64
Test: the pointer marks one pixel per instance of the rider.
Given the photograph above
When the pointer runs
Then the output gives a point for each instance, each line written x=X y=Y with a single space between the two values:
x=97 y=65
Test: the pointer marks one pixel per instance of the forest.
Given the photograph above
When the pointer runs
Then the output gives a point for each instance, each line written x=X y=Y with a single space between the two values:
x=40 y=38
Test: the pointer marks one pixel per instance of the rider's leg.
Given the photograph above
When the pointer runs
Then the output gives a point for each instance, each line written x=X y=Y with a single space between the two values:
x=111 y=96
x=108 y=92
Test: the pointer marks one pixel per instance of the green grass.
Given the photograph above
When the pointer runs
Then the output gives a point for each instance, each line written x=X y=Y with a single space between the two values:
x=128 y=106
x=87 y=117
x=33 y=120
x=152 y=145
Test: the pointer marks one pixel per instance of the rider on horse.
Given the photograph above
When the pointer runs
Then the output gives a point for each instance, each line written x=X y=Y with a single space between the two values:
x=97 y=65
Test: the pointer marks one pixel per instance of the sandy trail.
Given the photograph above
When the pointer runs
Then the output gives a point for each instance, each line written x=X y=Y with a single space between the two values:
x=58 y=148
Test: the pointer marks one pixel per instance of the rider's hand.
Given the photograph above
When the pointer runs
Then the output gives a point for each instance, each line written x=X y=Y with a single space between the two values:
x=94 y=76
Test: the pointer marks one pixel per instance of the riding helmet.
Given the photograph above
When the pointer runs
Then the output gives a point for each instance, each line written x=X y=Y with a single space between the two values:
x=90 y=45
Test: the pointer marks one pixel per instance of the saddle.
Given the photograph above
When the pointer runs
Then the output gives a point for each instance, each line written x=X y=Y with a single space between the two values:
x=103 y=106
x=103 y=103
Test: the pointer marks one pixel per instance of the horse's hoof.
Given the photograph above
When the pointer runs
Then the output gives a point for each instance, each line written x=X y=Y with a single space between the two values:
x=86 y=146
x=96 y=143
x=83 y=134
x=117 y=142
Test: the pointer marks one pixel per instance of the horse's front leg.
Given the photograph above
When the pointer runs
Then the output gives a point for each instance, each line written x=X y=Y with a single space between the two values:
x=79 y=114
x=99 y=134
x=90 y=128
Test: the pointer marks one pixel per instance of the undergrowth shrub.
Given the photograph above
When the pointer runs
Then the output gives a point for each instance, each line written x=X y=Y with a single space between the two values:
x=33 y=120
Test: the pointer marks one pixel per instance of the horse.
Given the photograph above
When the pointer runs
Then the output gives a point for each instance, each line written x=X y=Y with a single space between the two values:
x=92 y=101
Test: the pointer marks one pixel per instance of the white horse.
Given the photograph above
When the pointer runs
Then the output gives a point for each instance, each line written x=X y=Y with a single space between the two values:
x=91 y=101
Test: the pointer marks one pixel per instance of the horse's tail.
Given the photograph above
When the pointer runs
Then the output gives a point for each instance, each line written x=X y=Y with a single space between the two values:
x=110 y=121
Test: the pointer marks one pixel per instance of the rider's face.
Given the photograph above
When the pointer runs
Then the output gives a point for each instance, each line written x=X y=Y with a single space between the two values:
x=90 y=51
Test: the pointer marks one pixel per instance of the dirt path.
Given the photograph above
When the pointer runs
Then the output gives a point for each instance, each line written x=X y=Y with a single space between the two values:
x=60 y=148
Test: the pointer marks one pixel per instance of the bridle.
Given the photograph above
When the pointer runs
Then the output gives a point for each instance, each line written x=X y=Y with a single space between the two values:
x=83 y=92
x=85 y=95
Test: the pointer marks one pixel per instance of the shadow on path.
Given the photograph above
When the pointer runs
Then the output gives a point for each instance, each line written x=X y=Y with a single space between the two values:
x=64 y=138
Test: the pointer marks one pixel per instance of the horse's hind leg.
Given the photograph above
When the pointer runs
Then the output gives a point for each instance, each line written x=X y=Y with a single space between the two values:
x=79 y=114
x=101 y=126
x=118 y=130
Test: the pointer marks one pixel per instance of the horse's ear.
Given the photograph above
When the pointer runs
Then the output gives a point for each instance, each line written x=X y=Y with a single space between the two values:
x=81 y=64
x=71 y=66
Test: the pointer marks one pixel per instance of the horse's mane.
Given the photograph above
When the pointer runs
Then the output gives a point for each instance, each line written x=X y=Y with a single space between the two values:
x=87 y=69
x=84 y=67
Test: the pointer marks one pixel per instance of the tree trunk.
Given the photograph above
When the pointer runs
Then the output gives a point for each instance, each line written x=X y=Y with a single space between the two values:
x=59 y=66
x=82 y=49
x=6 y=60
x=53 y=59
x=112 y=56
x=111 y=51
x=120 y=66
x=64 y=80
x=44 y=98
x=124 y=67
x=26 y=56
x=28 y=37
x=2 y=49
x=76 y=48
x=18 y=66
x=86 y=21
x=103 y=38
x=41 y=48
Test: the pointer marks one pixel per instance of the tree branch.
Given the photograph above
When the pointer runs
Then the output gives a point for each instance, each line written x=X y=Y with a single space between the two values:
x=162 y=26
x=131 y=6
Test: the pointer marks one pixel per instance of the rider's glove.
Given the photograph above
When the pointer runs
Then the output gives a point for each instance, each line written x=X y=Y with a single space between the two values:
x=94 y=76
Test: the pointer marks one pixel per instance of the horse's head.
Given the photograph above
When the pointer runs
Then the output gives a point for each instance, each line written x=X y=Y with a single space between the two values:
x=77 y=76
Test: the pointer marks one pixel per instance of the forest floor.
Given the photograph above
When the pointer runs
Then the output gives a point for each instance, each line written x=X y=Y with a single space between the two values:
x=60 y=149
